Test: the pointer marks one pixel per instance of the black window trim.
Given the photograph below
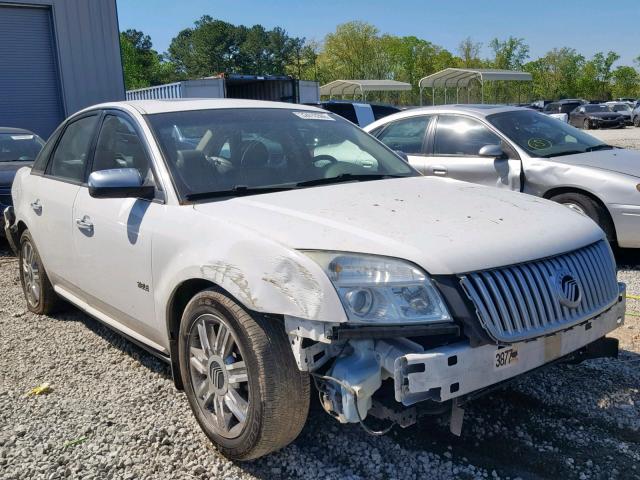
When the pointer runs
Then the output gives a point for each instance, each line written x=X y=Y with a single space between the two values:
x=47 y=170
x=425 y=135
x=513 y=152
x=160 y=195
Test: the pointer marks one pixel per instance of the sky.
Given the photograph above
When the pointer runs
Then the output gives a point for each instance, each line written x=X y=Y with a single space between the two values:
x=588 y=26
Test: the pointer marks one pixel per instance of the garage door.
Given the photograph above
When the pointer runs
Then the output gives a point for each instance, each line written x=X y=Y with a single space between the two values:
x=29 y=85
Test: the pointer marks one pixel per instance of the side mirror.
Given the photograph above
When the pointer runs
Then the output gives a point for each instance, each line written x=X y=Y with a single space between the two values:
x=402 y=155
x=493 y=151
x=119 y=183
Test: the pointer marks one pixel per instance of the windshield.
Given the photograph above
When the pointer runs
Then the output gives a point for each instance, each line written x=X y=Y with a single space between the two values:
x=222 y=150
x=621 y=108
x=543 y=136
x=19 y=147
x=596 y=108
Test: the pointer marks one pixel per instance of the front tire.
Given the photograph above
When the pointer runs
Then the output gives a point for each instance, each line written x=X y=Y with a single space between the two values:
x=240 y=377
x=636 y=121
x=586 y=125
x=37 y=289
x=589 y=207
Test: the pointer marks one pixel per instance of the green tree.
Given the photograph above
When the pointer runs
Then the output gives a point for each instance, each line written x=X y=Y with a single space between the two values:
x=469 y=52
x=142 y=65
x=555 y=75
x=626 y=82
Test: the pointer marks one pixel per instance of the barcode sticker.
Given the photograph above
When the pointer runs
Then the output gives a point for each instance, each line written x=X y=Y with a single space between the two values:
x=314 y=116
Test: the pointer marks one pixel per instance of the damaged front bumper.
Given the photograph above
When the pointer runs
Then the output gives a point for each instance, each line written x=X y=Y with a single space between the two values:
x=455 y=370
x=439 y=374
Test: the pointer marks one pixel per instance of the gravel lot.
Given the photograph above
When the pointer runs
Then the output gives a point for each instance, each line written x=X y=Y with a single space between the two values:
x=113 y=412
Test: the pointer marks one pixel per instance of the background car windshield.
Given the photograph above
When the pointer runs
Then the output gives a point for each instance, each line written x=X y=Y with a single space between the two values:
x=19 y=147
x=596 y=108
x=220 y=149
x=621 y=108
x=540 y=135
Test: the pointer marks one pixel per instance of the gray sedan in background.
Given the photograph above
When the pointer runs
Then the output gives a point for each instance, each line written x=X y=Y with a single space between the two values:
x=520 y=149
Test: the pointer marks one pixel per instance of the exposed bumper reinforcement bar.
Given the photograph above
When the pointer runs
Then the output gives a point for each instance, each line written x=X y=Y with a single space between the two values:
x=451 y=371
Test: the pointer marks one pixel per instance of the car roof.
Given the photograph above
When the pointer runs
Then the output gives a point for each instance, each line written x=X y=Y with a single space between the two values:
x=150 y=107
x=22 y=131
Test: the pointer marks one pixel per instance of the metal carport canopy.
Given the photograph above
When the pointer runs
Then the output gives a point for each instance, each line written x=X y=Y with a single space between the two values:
x=461 y=77
x=351 y=87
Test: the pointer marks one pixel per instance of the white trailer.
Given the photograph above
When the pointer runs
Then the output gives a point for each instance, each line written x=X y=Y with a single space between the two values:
x=279 y=88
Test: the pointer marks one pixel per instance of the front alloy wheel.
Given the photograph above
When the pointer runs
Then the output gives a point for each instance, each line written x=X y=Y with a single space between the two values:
x=241 y=379
x=218 y=375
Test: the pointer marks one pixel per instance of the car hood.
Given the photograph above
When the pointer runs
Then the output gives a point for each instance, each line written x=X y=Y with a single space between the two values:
x=603 y=114
x=443 y=225
x=617 y=160
x=8 y=171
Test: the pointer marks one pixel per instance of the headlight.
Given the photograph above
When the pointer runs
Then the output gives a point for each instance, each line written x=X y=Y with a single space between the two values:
x=382 y=290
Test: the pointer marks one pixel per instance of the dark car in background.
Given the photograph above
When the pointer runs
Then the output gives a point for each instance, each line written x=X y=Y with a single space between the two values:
x=18 y=148
x=596 y=116
x=362 y=114
x=561 y=108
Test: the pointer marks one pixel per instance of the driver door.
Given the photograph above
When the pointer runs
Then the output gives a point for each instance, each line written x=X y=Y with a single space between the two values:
x=454 y=153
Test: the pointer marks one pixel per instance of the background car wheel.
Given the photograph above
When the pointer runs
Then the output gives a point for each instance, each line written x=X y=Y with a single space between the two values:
x=38 y=291
x=589 y=207
x=240 y=377
x=586 y=125
x=636 y=121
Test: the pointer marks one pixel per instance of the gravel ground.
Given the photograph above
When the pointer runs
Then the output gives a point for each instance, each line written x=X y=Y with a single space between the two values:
x=628 y=137
x=113 y=413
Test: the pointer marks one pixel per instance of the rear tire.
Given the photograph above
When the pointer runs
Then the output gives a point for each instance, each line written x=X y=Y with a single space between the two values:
x=245 y=391
x=37 y=289
x=636 y=121
x=589 y=207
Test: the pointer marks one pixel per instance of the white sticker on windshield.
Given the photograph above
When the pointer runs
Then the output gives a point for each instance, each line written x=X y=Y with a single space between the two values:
x=314 y=116
x=21 y=137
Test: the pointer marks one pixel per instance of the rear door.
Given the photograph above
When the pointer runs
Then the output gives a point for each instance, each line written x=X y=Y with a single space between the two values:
x=52 y=200
x=112 y=236
x=453 y=152
x=408 y=135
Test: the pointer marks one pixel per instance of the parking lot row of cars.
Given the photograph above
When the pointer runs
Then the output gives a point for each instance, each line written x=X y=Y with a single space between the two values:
x=587 y=115
x=257 y=247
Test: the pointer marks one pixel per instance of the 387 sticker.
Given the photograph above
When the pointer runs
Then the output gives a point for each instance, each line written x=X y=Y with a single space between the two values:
x=505 y=357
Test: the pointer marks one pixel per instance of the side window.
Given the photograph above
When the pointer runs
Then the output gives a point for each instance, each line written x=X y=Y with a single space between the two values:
x=462 y=136
x=119 y=146
x=406 y=135
x=41 y=160
x=70 y=157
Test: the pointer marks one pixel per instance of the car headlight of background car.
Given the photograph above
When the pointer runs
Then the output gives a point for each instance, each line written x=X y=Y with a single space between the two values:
x=382 y=290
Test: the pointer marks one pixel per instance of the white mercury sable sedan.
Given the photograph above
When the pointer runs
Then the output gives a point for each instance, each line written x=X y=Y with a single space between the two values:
x=256 y=246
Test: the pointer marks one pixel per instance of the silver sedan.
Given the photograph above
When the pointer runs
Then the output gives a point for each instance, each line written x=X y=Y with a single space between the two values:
x=520 y=149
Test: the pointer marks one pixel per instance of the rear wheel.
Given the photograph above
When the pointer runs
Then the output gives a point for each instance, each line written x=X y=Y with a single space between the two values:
x=587 y=206
x=38 y=291
x=240 y=377
x=636 y=121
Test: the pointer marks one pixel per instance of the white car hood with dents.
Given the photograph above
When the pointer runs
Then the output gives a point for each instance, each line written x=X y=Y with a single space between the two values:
x=616 y=160
x=443 y=225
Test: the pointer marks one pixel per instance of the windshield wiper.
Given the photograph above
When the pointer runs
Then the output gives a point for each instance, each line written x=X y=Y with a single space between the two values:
x=559 y=154
x=239 y=191
x=347 y=177
x=601 y=146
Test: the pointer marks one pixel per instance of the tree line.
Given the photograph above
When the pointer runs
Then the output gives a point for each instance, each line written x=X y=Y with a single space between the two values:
x=358 y=50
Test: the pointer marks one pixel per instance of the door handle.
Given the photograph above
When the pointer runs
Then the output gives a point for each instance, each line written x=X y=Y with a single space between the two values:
x=36 y=207
x=84 y=224
x=439 y=170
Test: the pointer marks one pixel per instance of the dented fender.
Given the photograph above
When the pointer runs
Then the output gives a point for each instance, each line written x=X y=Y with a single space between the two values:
x=261 y=274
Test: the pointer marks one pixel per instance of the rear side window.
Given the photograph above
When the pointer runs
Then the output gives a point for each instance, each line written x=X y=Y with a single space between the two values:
x=406 y=135
x=461 y=136
x=41 y=160
x=70 y=157
x=551 y=107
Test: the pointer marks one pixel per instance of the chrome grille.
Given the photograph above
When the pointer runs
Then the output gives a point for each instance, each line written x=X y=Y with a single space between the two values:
x=524 y=301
